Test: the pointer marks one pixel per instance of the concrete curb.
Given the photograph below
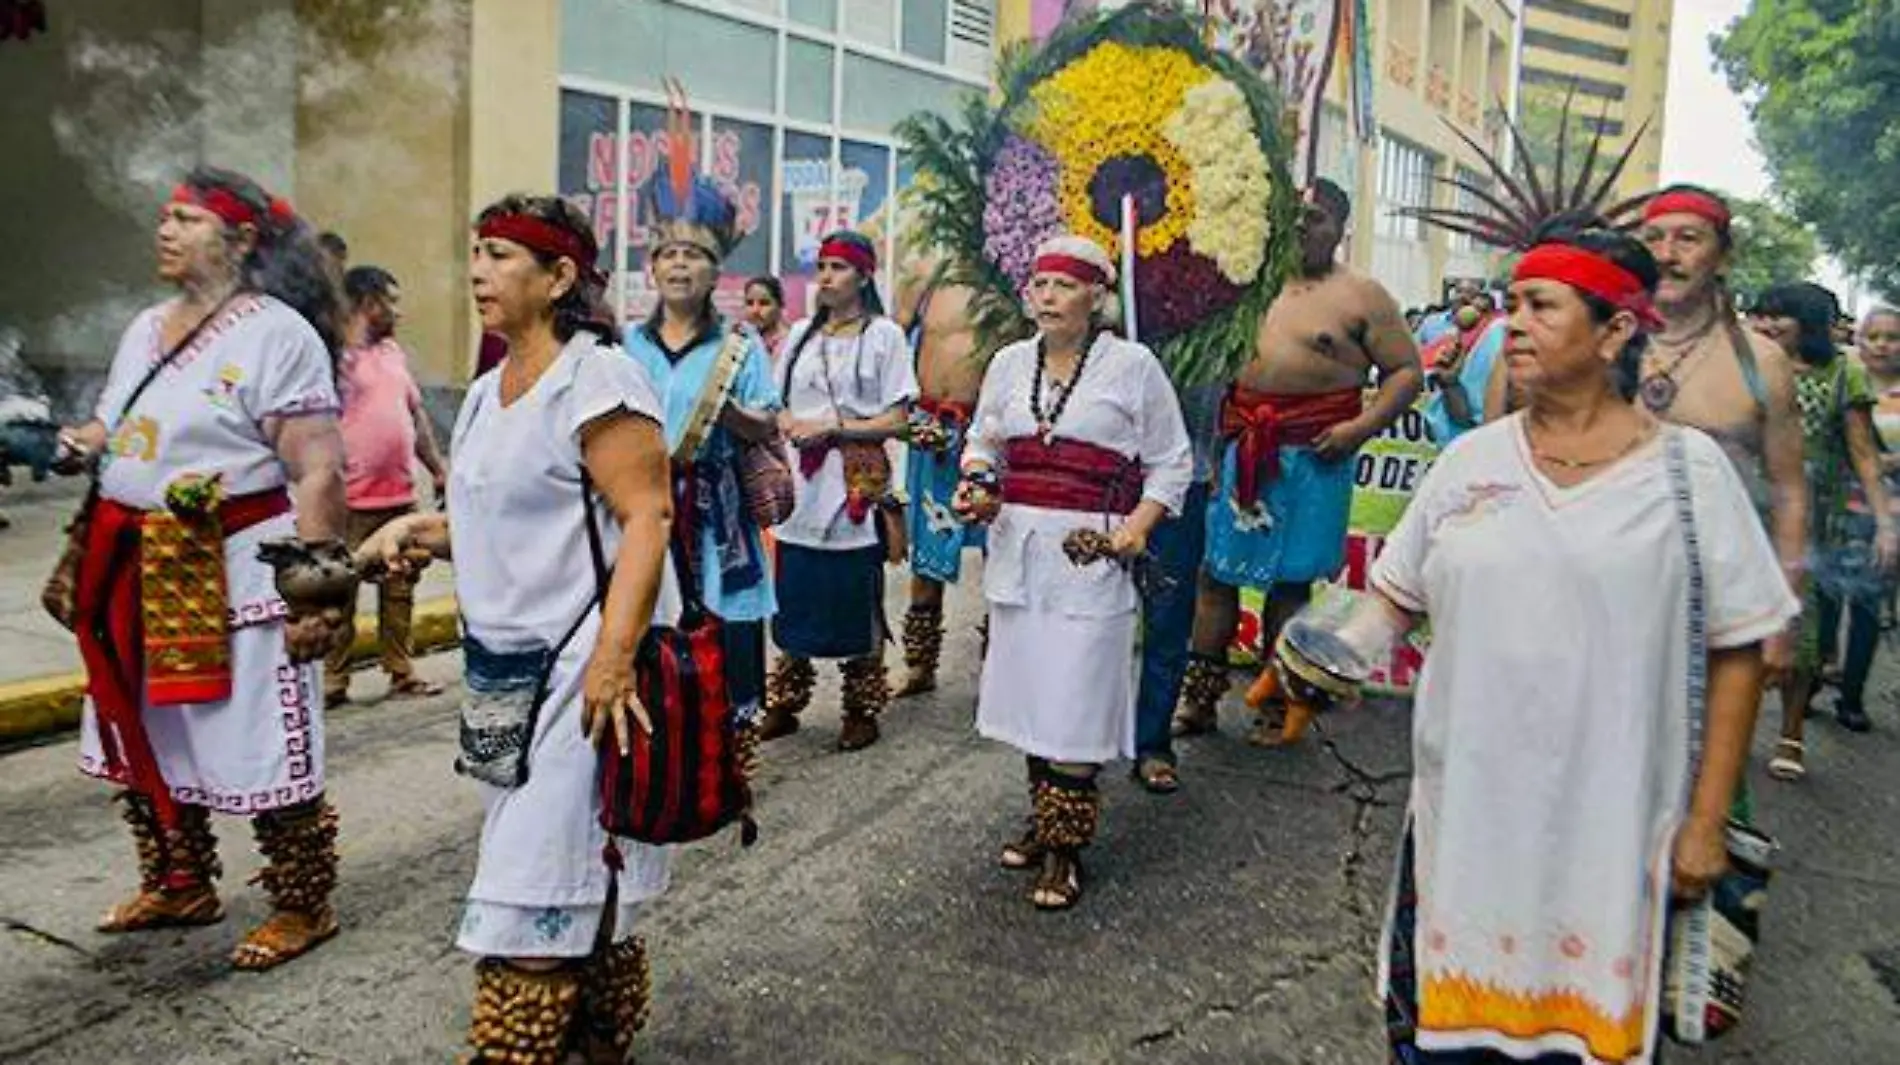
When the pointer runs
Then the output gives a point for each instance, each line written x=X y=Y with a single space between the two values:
x=30 y=709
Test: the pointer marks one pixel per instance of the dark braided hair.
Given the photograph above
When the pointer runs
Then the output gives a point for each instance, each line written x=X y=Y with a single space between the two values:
x=285 y=262
x=583 y=307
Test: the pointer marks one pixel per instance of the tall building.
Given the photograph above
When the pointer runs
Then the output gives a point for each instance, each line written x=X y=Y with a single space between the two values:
x=1616 y=55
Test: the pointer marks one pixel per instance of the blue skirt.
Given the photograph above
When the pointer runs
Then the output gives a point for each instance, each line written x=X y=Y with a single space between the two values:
x=1297 y=533
x=830 y=603
x=937 y=539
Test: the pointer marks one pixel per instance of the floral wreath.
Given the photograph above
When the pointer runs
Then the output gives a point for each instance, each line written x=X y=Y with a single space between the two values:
x=1128 y=104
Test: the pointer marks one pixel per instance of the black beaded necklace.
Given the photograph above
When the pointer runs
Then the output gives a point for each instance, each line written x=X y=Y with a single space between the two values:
x=1046 y=424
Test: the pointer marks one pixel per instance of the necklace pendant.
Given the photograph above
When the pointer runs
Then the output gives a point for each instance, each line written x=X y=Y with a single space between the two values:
x=1659 y=393
x=1046 y=432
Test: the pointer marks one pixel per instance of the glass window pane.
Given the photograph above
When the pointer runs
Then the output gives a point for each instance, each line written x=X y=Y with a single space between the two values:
x=924 y=25
x=878 y=95
x=808 y=80
x=864 y=198
x=647 y=146
x=818 y=14
x=590 y=165
x=872 y=22
x=804 y=211
x=742 y=164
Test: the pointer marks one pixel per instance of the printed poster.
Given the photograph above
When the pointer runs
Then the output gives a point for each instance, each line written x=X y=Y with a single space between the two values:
x=1387 y=473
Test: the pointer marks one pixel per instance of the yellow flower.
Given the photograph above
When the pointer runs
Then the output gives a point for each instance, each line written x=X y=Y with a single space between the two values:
x=1213 y=130
x=1110 y=102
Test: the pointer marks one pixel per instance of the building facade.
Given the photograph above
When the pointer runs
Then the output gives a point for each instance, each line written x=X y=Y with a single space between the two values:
x=1615 y=55
x=794 y=107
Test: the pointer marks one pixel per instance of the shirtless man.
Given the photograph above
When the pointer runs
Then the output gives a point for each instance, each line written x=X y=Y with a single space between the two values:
x=1290 y=428
x=1708 y=370
x=949 y=376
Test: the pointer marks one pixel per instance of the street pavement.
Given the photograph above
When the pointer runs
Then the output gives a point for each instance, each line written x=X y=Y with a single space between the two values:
x=1233 y=923
x=32 y=645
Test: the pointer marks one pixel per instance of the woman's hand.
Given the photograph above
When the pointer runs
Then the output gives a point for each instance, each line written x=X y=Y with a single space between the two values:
x=76 y=447
x=1777 y=658
x=609 y=698
x=1886 y=546
x=393 y=549
x=1700 y=858
x=1128 y=540
x=974 y=505
x=805 y=433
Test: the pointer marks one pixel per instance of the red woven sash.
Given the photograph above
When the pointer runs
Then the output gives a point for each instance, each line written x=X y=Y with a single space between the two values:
x=1069 y=475
x=1261 y=423
x=112 y=641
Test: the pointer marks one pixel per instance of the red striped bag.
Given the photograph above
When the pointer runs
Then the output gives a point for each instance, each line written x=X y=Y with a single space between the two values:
x=684 y=780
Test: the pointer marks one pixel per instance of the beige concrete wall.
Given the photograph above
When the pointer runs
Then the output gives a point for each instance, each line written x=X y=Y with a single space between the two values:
x=87 y=161
x=377 y=128
x=511 y=128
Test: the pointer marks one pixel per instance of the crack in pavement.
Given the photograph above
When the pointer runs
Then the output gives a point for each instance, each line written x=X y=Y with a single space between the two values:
x=235 y=1020
x=22 y=928
x=1275 y=981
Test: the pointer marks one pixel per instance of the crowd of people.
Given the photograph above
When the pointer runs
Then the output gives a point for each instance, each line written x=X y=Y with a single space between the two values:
x=1621 y=451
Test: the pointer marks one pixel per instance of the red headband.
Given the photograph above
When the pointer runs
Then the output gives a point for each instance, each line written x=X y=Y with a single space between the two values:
x=856 y=254
x=1071 y=266
x=537 y=235
x=1688 y=201
x=229 y=208
x=1588 y=272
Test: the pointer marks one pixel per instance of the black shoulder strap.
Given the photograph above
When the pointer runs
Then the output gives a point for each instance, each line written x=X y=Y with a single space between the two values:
x=604 y=573
x=151 y=375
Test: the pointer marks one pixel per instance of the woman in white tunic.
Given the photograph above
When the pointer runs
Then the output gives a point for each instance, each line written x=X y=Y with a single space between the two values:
x=1085 y=433
x=199 y=686
x=565 y=411
x=1553 y=807
x=846 y=380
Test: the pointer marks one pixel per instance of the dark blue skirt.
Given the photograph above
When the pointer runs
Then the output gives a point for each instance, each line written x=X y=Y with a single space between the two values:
x=830 y=603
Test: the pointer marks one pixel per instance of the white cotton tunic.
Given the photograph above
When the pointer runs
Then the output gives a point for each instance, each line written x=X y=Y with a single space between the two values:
x=523 y=573
x=856 y=377
x=1058 y=681
x=1549 y=734
x=261 y=749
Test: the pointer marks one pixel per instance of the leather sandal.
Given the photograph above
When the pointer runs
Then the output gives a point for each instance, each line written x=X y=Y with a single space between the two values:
x=1156 y=775
x=1790 y=761
x=413 y=687
x=1059 y=885
x=1022 y=853
x=284 y=935
x=164 y=909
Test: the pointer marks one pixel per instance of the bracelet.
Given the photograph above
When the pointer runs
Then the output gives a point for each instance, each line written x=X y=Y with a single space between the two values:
x=983 y=478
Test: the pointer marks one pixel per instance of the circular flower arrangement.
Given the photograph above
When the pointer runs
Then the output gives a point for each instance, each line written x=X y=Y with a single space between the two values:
x=1127 y=105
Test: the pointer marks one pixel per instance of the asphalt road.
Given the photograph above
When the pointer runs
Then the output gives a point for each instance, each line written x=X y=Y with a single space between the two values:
x=1233 y=923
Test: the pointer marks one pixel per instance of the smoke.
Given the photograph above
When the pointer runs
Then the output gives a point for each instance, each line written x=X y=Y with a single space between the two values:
x=353 y=102
x=137 y=119
x=238 y=95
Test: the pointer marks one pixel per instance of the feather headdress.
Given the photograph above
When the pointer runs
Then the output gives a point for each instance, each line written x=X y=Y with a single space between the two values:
x=1514 y=209
x=684 y=206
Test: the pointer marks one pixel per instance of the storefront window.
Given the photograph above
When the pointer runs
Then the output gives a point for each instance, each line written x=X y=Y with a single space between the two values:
x=741 y=162
x=589 y=165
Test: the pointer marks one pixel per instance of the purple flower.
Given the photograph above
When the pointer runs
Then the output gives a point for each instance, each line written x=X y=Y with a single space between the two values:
x=1020 y=208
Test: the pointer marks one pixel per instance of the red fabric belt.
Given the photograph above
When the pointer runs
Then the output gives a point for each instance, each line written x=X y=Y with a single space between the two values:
x=948 y=411
x=111 y=636
x=1261 y=423
x=1069 y=475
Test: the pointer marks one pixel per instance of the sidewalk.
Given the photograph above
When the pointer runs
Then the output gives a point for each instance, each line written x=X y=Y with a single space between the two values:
x=40 y=671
